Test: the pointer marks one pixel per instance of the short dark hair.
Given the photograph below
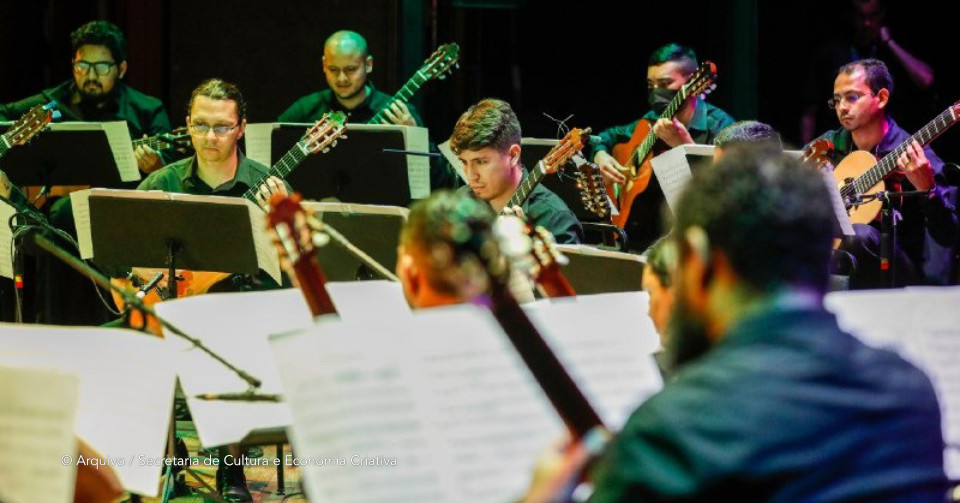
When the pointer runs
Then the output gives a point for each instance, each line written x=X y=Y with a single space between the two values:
x=662 y=259
x=876 y=71
x=748 y=132
x=102 y=33
x=445 y=219
x=489 y=123
x=771 y=217
x=675 y=52
x=218 y=89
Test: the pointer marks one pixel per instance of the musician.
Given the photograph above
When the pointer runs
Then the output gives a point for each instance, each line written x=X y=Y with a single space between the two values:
x=97 y=92
x=216 y=121
x=668 y=69
x=929 y=228
x=346 y=64
x=486 y=140
x=769 y=400
x=657 y=281
x=747 y=132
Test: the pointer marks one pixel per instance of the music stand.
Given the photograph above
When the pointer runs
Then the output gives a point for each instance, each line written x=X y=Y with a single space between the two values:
x=373 y=229
x=593 y=270
x=75 y=153
x=124 y=228
x=357 y=170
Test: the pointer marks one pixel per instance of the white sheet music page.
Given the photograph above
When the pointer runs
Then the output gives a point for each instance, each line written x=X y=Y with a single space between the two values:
x=118 y=136
x=923 y=325
x=37 y=434
x=418 y=166
x=452 y=158
x=673 y=170
x=434 y=407
x=267 y=258
x=259 y=140
x=606 y=342
x=360 y=299
x=80 y=200
x=6 y=241
x=236 y=326
x=126 y=390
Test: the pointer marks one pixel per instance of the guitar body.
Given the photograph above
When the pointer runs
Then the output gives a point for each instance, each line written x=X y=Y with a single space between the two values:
x=638 y=179
x=193 y=283
x=853 y=165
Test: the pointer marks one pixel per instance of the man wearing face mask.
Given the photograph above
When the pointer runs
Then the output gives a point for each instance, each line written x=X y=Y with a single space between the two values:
x=769 y=400
x=668 y=69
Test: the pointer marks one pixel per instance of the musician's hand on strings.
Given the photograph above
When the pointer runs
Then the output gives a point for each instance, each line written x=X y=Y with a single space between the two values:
x=148 y=160
x=272 y=186
x=915 y=165
x=611 y=170
x=515 y=210
x=398 y=113
x=672 y=132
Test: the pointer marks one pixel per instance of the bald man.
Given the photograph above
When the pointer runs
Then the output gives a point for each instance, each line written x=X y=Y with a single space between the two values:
x=346 y=64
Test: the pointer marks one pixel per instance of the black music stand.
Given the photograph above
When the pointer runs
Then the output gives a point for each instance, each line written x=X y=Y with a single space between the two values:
x=159 y=230
x=564 y=183
x=72 y=154
x=592 y=270
x=373 y=229
x=357 y=170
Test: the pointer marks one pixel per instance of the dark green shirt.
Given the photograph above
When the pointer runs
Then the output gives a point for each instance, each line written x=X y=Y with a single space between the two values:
x=786 y=408
x=182 y=177
x=706 y=122
x=312 y=106
x=143 y=114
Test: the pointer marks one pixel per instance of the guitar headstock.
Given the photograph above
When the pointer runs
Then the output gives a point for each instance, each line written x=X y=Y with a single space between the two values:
x=323 y=135
x=178 y=139
x=545 y=250
x=702 y=82
x=817 y=155
x=442 y=62
x=30 y=124
x=593 y=193
x=563 y=152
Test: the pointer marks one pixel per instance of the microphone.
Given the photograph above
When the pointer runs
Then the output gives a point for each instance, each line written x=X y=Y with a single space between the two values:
x=245 y=396
x=145 y=289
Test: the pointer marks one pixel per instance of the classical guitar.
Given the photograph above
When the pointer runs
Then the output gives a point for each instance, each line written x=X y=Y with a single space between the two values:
x=561 y=153
x=294 y=238
x=177 y=140
x=28 y=126
x=637 y=153
x=321 y=137
x=437 y=66
x=549 y=260
x=593 y=194
x=817 y=155
x=860 y=174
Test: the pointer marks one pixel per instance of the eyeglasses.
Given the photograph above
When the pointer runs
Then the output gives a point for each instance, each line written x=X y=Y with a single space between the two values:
x=202 y=129
x=100 y=68
x=850 y=98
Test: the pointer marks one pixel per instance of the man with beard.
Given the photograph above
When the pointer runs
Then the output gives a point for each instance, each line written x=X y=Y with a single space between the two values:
x=928 y=226
x=769 y=399
x=668 y=69
x=97 y=92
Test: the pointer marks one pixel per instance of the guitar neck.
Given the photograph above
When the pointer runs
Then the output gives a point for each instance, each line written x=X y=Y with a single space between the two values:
x=526 y=186
x=554 y=284
x=4 y=145
x=647 y=145
x=313 y=285
x=404 y=94
x=566 y=397
x=927 y=134
x=281 y=169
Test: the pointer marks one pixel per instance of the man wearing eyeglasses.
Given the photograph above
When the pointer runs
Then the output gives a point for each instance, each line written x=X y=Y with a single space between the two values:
x=928 y=225
x=668 y=69
x=97 y=92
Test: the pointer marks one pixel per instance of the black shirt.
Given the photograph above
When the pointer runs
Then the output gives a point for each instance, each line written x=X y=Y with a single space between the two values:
x=312 y=106
x=785 y=408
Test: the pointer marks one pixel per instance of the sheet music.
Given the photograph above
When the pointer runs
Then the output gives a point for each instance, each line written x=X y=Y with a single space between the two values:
x=36 y=432
x=922 y=325
x=267 y=258
x=126 y=390
x=839 y=209
x=6 y=241
x=366 y=209
x=353 y=299
x=236 y=326
x=448 y=154
x=673 y=170
x=259 y=142
x=614 y=366
x=80 y=200
x=118 y=137
x=418 y=166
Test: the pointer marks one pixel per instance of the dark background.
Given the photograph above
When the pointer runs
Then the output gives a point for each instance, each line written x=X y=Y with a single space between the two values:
x=561 y=58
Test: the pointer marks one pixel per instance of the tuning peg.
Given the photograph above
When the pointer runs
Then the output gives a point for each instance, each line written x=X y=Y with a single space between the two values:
x=325 y=150
x=334 y=144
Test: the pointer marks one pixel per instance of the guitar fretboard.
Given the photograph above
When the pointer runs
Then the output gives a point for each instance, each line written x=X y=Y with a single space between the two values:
x=4 y=145
x=872 y=176
x=527 y=185
x=281 y=169
x=647 y=145
x=404 y=94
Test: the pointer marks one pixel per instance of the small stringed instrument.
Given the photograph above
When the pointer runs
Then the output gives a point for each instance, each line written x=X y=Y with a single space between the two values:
x=321 y=137
x=440 y=64
x=637 y=153
x=28 y=126
x=817 y=155
x=860 y=174
x=296 y=246
x=561 y=153
x=177 y=140
x=593 y=194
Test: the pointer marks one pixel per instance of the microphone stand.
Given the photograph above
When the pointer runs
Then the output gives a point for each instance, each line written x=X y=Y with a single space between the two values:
x=888 y=231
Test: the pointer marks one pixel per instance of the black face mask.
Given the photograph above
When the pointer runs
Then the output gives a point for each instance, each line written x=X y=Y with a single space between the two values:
x=658 y=99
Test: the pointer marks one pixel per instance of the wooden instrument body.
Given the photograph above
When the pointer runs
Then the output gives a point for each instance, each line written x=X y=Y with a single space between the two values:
x=853 y=165
x=193 y=283
x=640 y=171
